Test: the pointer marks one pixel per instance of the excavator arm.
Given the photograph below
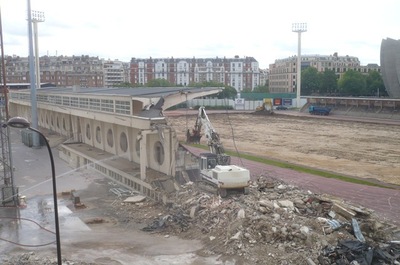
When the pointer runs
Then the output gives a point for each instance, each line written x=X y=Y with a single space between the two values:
x=215 y=167
x=213 y=140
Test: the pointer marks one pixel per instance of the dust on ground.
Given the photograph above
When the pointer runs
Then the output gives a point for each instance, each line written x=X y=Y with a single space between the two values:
x=359 y=149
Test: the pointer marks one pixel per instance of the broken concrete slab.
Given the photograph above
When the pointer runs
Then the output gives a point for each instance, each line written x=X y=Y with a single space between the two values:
x=343 y=211
x=135 y=199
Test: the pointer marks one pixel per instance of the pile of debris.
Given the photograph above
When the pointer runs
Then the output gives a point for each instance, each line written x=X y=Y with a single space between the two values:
x=275 y=224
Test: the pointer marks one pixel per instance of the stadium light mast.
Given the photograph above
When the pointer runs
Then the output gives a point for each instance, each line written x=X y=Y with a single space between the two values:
x=32 y=77
x=299 y=28
x=37 y=16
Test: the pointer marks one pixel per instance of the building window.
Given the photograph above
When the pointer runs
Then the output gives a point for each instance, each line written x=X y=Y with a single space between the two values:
x=159 y=153
x=110 y=138
x=123 y=142
x=98 y=135
x=88 y=135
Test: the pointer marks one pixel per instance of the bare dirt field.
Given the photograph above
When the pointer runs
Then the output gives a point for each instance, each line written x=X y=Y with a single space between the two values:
x=359 y=149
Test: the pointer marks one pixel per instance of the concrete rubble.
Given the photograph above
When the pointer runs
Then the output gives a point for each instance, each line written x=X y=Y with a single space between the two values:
x=276 y=223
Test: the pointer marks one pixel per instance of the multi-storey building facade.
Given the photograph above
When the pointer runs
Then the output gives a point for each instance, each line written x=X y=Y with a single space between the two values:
x=283 y=73
x=115 y=73
x=63 y=71
x=240 y=73
x=264 y=76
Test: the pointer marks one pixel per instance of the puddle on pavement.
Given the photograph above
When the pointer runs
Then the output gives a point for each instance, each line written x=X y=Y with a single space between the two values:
x=34 y=231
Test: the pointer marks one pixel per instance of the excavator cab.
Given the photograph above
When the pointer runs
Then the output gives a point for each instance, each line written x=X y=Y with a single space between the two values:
x=208 y=161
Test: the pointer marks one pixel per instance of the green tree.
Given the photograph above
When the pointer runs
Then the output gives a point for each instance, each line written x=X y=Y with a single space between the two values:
x=206 y=84
x=352 y=83
x=125 y=84
x=228 y=92
x=375 y=86
x=247 y=90
x=329 y=82
x=310 y=81
x=261 y=89
x=159 y=82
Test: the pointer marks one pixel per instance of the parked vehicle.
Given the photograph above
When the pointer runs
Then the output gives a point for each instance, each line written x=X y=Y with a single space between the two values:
x=316 y=110
x=281 y=108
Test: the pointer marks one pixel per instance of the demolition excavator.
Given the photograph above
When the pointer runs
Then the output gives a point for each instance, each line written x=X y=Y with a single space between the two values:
x=215 y=166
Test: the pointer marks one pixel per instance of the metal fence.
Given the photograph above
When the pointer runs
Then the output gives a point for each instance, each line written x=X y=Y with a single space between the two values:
x=237 y=104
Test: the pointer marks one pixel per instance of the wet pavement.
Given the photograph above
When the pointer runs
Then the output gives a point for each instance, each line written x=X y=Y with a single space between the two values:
x=30 y=227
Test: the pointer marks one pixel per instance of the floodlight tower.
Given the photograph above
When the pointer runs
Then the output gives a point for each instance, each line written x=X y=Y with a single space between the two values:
x=299 y=28
x=32 y=77
x=37 y=16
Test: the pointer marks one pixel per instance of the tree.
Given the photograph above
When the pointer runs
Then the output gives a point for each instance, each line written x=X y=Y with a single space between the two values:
x=375 y=86
x=261 y=89
x=329 y=82
x=125 y=84
x=352 y=83
x=228 y=92
x=159 y=82
x=247 y=90
x=310 y=81
x=207 y=84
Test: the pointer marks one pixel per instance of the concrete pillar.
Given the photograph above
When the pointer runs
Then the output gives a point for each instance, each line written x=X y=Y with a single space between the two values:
x=143 y=155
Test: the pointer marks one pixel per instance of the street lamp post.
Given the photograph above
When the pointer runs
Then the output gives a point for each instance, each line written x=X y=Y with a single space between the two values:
x=22 y=123
x=299 y=28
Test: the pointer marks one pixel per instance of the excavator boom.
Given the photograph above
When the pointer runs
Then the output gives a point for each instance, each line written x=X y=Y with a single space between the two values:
x=215 y=167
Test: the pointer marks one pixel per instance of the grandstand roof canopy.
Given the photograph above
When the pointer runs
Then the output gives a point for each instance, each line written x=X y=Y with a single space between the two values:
x=147 y=92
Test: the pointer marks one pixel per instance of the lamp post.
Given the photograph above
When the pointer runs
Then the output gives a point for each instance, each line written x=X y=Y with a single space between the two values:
x=22 y=123
x=299 y=28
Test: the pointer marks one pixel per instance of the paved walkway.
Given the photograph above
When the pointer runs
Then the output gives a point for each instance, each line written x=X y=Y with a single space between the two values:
x=384 y=201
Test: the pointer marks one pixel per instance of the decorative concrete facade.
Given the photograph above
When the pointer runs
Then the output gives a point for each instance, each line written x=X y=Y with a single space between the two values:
x=106 y=124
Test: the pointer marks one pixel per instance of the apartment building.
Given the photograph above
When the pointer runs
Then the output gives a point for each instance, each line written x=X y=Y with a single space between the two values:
x=63 y=71
x=86 y=71
x=115 y=72
x=240 y=73
x=283 y=75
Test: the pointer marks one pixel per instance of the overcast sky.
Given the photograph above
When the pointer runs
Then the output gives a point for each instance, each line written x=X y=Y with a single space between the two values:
x=122 y=29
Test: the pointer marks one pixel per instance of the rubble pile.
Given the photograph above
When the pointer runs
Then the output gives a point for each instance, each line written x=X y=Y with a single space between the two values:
x=275 y=224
